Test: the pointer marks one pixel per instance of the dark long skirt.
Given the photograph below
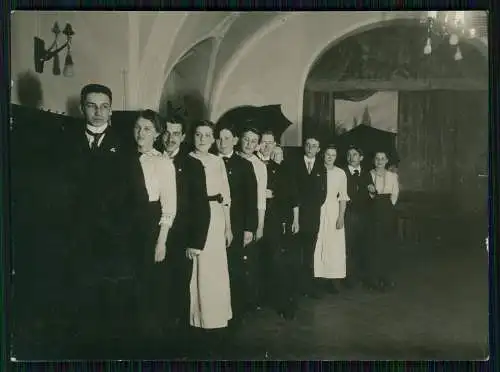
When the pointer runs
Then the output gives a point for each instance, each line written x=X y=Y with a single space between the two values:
x=383 y=224
x=151 y=276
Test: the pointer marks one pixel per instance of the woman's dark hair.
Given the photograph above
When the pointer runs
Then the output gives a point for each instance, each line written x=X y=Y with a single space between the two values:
x=203 y=123
x=154 y=118
x=387 y=155
x=381 y=152
x=331 y=146
x=95 y=88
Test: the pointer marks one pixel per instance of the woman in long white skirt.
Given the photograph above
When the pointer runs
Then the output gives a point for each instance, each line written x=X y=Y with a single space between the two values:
x=330 y=252
x=210 y=300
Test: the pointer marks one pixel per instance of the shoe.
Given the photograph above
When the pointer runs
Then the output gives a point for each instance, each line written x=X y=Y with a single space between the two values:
x=314 y=294
x=287 y=314
x=348 y=283
x=236 y=323
x=332 y=289
x=385 y=285
x=370 y=285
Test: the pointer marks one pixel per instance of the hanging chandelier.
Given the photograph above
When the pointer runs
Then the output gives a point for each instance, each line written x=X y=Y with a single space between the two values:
x=449 y=24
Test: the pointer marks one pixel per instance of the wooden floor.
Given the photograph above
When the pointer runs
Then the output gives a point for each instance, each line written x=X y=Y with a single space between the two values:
x=439 y=310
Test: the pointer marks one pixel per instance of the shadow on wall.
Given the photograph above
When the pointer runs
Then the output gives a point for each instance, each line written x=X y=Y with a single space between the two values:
x=187 y=106
x=29 y=90
x=73 y=106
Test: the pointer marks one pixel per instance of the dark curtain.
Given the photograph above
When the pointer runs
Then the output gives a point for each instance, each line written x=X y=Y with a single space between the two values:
x=319 y=115
x=443 y=142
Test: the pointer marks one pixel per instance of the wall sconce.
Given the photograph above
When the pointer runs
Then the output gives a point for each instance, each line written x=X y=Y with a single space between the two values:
x=42 y=55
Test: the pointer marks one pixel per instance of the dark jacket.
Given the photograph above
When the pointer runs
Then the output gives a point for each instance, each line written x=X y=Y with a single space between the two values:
x=357 y=188
x=285 y=195
x=190 y=226
x=98 y=188
x=243 y=188
x=311 y=191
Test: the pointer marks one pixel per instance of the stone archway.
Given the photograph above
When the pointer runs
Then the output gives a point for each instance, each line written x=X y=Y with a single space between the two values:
x=388 y=56
x=479 y=44
x=437 y=100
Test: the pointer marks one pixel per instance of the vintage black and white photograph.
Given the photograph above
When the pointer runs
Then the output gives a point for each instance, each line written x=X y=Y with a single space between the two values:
x=221 y=185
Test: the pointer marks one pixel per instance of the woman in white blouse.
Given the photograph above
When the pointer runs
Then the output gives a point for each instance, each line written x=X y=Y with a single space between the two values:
x=384 y=192
x=330 y=251
x=153 y=202
x=210 y=300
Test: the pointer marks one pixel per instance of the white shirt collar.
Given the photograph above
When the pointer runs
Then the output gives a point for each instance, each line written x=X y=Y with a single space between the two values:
x=309 y=160
x=229 y=156
x=152 y=152
x=97 y=130
x=248 y=157
x=262 y=157
x=176 y=151
x=352 y=169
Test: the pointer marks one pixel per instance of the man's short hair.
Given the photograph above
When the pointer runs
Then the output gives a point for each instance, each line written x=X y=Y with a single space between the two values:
x=313 y=136
x=356 y=148
x=174 y=118
x=220 y=128
x=269 y=133
x=251 y=130
x=95 y=88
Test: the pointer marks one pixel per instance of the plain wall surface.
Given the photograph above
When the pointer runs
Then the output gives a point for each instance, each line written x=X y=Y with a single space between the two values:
x=274 y=68
x=99 y=51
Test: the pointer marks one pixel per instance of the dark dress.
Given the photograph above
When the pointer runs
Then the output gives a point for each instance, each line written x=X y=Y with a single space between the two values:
x=243 y=213
x=311 y=194
x=383 y=230
x=144 y=218
x=357 y=217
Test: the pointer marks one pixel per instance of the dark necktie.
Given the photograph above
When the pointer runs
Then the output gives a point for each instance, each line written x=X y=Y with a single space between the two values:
x=95 y=141
x=356 y=173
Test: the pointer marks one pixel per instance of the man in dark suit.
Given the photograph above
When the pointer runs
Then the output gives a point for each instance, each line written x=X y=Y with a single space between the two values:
x=243 y=213
x=310 y=178
x=356 y=217
x=101 y=262
x=281 y=220
x=190 y=227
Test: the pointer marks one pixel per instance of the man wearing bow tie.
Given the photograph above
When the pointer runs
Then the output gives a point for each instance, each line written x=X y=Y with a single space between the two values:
x=190 y=226
x=101 y=263
x=243 y=189
x=310 y=178
x=356 y=213
x=281 y=220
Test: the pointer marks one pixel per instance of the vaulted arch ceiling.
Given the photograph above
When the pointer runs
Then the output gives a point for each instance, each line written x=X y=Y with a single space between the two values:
x=159 y=55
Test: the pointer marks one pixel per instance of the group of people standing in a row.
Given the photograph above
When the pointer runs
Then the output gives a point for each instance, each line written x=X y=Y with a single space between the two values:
x=202 y=238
